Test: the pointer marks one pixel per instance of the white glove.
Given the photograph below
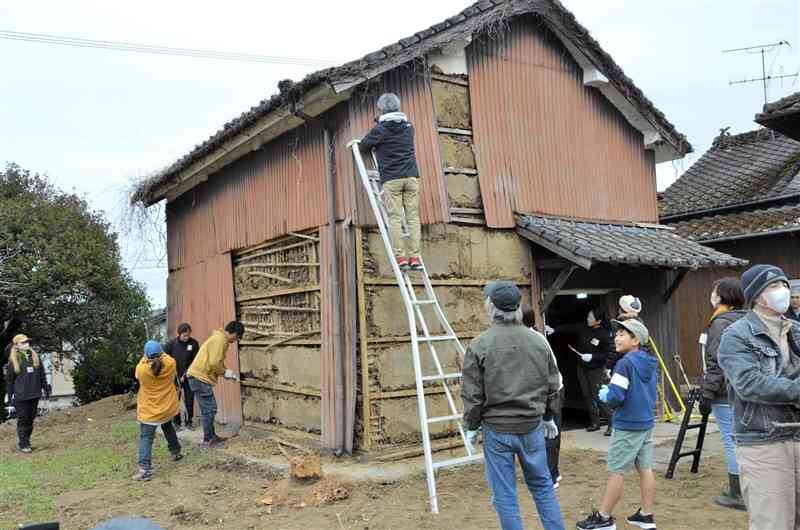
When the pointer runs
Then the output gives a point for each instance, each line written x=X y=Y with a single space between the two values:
x=548 y=330
x=229 y=374
x=608 y=373
x=472 y=438
x=586 y=357
x=550 y=429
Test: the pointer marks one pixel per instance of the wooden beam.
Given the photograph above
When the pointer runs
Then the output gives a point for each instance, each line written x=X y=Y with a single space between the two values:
x=273 y=251
x=559 y=282
x=290 y=339
x=536 y=295
x=452 y=80
x=407 y=338
x=582 y=261
x=278 y=292
x=281 y=308
x=297 y=264
x=278 y=387
x=467 y=220
x=408 y=392
x=271 y=276
x=475 y=211
x=675 y=284
x=304 y=236
x=460 y=171
x=457 y=282
x=454 y=131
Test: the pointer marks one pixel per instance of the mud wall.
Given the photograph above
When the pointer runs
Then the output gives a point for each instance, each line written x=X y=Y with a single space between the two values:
x=460 y=260
x=277 y=288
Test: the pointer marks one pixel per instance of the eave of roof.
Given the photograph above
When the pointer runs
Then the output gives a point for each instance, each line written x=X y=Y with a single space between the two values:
x=476 y=18
x=741 y=225
x=585 y=243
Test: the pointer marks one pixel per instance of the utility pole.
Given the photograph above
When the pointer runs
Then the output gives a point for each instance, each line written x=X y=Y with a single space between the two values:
x=762 y=49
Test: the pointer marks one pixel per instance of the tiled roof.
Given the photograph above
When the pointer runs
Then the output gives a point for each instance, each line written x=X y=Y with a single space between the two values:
x=586 y=242
x=788 y=105
x=739 y=225
x=737 y=169
x=481 y=16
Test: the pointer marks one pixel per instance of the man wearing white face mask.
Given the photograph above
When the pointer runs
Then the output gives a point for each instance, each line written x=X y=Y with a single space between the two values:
x=760 y=356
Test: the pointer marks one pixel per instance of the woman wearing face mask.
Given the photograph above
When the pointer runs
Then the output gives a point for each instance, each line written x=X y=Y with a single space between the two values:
x=592 y=362
x=727 y=301
x=25 y=382
x=760 y=356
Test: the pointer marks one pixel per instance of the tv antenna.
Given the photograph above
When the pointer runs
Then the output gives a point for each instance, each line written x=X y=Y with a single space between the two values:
x=761 y=49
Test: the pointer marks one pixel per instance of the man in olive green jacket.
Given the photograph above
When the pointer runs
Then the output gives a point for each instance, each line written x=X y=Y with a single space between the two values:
x=510 y=390
x=204 y=372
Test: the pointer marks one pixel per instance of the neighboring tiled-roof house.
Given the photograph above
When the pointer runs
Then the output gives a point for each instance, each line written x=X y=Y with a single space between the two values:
x=741 y=197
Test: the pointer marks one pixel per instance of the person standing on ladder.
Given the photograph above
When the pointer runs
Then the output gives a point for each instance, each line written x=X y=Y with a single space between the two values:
x=510 y=390
x=393 y=141
x=760 y=356
x=727 y=300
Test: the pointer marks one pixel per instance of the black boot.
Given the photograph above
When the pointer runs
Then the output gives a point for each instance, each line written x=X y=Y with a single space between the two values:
x=733 y=497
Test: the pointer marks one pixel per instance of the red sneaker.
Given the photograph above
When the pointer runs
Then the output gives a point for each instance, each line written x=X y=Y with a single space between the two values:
x=414 y=263
x=402 y=262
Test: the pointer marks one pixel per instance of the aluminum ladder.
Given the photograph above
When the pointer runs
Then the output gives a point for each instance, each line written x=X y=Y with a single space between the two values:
x=413 y=306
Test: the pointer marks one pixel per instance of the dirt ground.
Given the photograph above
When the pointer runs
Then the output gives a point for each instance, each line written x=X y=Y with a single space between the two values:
x=222 y=489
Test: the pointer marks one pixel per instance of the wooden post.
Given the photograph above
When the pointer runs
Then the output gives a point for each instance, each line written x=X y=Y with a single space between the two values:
x=336 y=299
x=366 y=399
x=536 y=295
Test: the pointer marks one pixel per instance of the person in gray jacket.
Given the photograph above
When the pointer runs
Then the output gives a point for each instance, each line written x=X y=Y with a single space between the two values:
x=760 y=356
x=510 y=391
x=727 y=300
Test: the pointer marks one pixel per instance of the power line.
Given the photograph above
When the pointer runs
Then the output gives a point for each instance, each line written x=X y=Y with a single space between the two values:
x=159 y=50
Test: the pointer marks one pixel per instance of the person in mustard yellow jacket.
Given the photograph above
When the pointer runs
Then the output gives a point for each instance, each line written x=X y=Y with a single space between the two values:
x=204 y=372
x=156 y=405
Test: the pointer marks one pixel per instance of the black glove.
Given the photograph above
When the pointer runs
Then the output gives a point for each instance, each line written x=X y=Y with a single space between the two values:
x=48 y=390
x=705 y=406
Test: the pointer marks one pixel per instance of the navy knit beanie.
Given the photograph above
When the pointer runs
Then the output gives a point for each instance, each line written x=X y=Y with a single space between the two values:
x=757 y=278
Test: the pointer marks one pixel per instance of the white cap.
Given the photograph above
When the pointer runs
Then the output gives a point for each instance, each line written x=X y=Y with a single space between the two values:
x=630 y=304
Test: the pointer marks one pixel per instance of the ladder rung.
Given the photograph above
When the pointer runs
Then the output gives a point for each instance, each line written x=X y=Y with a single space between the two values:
x=694 y=426
x=439 y=419
x=423 y=302
x=436 y=338
x=373 y=174
x=458 y=461
x=689 y=453
x=454 y=375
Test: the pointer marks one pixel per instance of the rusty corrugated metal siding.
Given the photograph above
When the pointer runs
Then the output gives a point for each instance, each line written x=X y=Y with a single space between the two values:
x=276 y=190
x=412 y=84
x=547 y=144
x=202 y=294
x=692 y=296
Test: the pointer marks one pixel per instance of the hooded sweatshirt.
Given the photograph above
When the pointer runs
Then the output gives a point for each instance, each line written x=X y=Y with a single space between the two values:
x=157 y=401
x=393 y=141
x=632 y=391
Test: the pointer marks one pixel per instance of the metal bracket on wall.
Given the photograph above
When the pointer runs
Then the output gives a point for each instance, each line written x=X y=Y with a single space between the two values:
x=559 y=282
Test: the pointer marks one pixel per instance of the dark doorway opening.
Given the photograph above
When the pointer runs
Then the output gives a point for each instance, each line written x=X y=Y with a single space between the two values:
x=567 y=316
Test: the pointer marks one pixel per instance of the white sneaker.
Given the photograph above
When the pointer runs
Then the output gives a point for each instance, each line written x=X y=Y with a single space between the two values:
x=556 y=485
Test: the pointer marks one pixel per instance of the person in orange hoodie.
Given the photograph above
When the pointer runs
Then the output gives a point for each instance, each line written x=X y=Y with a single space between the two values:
x=156 y=405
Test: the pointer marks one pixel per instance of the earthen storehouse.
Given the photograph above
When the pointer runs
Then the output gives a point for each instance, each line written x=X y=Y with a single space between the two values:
x=526 y=130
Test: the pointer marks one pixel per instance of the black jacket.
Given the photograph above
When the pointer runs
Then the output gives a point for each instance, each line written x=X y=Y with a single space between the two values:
x=791 y=315
x=393 y=142
x=183 y=353
x=715 y=387
x=29 y=383
x=599 y=343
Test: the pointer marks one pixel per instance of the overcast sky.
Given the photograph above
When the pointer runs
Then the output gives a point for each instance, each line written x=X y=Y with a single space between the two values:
x=94 y=119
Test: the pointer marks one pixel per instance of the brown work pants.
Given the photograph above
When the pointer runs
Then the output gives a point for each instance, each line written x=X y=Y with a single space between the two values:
x=770 y=476
x=401 y=197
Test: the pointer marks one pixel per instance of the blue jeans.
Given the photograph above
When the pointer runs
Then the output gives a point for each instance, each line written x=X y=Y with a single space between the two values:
x=499 y=450
x=724 y=415
x=146 y=435
x=204 y=393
